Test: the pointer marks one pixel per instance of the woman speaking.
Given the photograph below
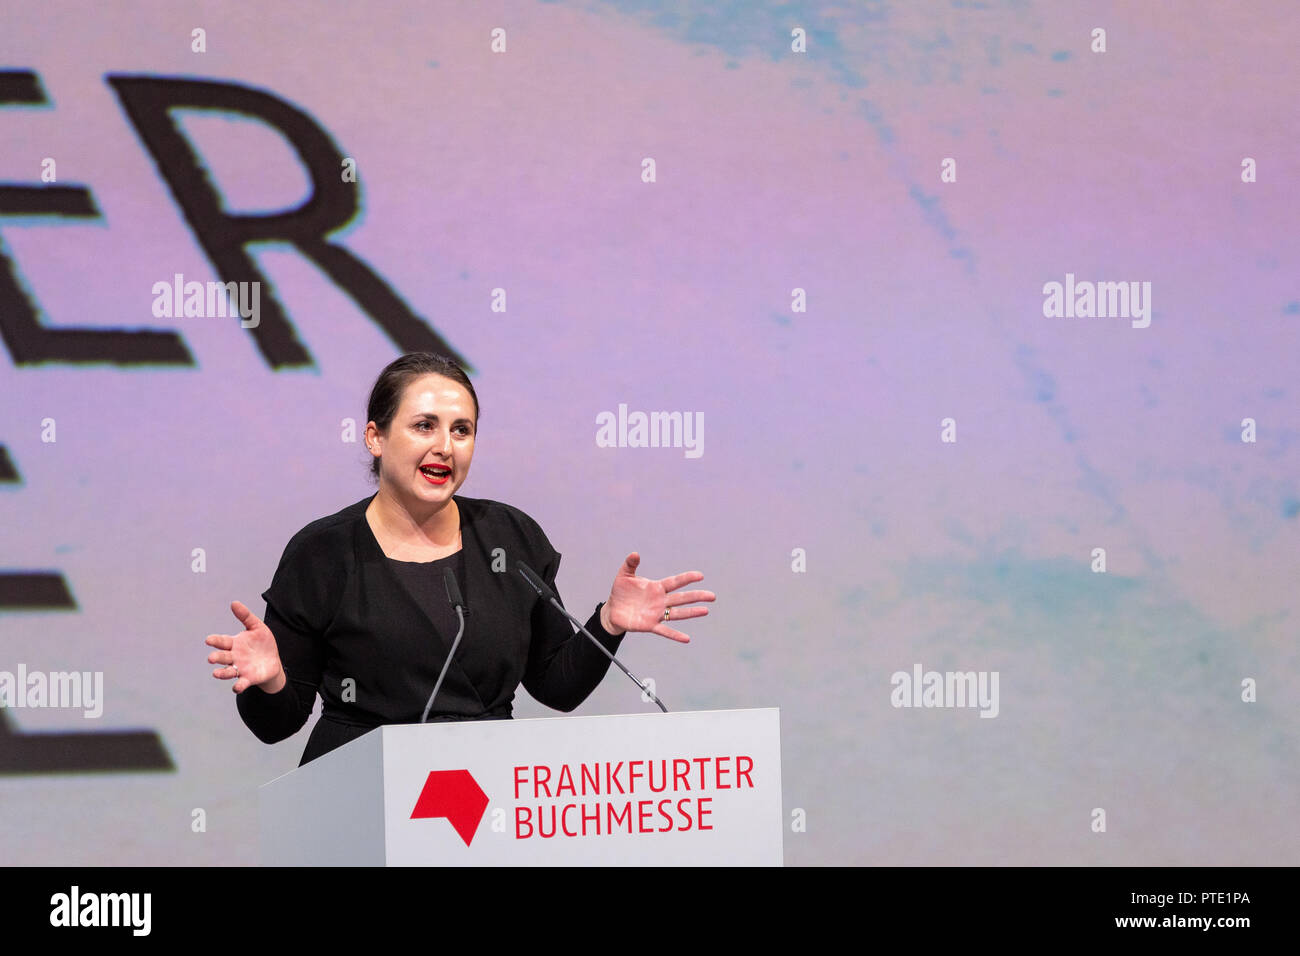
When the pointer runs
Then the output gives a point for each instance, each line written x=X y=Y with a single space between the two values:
x=357 y=611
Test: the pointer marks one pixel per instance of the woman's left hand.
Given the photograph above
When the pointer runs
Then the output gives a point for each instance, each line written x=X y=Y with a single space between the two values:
x=638 y=604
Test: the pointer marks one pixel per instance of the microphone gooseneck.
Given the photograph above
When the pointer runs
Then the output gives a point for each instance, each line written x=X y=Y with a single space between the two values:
x=453 y=596
x=542 y=589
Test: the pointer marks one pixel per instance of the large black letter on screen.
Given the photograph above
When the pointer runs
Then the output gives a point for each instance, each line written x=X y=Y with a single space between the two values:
x=330 y=206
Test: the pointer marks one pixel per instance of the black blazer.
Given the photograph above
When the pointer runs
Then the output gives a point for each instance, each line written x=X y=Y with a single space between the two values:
x=350 y=627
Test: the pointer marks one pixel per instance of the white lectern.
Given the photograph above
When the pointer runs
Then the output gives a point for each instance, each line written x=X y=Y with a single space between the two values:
x=698 y=788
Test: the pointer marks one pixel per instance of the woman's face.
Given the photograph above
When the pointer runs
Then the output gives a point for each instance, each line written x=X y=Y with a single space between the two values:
x=426 y=454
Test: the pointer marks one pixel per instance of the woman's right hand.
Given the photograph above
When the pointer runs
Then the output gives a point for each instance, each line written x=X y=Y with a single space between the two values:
x=248 y=658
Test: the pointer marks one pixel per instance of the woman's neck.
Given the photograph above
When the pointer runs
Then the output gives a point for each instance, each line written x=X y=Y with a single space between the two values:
x=440 y=528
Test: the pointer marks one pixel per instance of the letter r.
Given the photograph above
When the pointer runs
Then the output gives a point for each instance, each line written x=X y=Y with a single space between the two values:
x=224 y=236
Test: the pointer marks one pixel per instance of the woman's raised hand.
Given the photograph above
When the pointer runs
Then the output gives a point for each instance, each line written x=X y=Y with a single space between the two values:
x=249 y=658
x=639 y=604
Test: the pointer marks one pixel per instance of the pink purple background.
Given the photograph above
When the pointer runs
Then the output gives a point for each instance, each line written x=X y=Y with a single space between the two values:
x=775 y=171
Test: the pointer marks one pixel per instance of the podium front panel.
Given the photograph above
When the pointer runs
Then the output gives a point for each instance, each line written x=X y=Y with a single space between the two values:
x=646 y=789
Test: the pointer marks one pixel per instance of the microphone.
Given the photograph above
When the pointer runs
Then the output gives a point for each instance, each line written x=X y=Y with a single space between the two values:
x=453 y=590
x=454 y=598
x=540 y=587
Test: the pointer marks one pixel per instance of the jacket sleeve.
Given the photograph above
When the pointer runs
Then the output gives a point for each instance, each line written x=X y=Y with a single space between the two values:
x=299 y=605
x=563 y=665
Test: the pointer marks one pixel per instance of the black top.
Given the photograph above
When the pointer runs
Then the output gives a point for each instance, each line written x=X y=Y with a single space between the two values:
x=370 y=634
